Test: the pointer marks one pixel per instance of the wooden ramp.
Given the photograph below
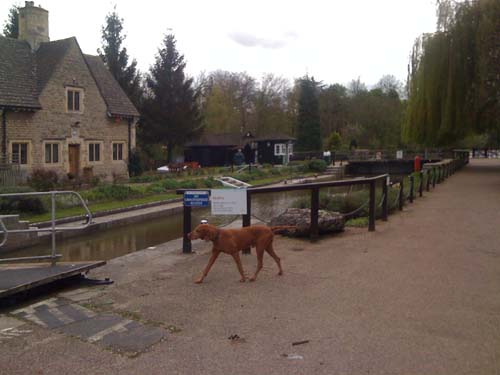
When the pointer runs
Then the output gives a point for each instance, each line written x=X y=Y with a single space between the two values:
x=15 y=278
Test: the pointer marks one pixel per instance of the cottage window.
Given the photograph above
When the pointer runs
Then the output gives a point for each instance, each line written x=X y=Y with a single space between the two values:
x=52 y=153
x=117 y=151
x=94 y=152
x=279 y=149
x=73 y=100
x=20 y=153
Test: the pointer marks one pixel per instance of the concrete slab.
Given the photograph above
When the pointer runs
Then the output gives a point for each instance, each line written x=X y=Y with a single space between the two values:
x=136 y=339
x=93 y=327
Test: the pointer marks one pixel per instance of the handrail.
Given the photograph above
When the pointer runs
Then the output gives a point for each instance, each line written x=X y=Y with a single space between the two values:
x=313 y=187
x=53 y=228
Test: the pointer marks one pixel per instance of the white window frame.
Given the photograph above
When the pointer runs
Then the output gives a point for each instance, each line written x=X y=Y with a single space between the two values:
x=59 y=152
x=93 y=144
x=28 y=152
x=71 y=91
x=279 y=149
x=122 y=151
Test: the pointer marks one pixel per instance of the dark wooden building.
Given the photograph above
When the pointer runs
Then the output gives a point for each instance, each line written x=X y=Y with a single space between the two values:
x=219 y=149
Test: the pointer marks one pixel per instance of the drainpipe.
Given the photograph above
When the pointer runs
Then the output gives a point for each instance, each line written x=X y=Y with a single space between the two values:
x=4 y=135
x=129 y=138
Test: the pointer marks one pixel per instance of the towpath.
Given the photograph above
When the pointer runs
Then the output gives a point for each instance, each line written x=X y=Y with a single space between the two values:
x=421 y=295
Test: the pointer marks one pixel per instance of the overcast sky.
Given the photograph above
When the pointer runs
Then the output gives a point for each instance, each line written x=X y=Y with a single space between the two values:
x=334 y=41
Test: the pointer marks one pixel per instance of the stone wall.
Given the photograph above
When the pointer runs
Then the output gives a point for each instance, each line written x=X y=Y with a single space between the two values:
x=54 y=124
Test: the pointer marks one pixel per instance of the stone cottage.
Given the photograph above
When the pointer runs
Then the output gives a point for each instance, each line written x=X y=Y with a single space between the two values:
x=60 y=108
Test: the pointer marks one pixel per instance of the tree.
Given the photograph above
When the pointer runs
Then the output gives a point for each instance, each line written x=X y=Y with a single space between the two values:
x=11 y=25
x=272 y=115
x=228 y=103
x=116 y=58
x=171 y=108
x=308 y=120
x=454 y=75
x=333 y=142
x=333 y=104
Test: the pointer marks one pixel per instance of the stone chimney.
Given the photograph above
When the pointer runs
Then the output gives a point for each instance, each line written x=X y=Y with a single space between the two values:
x=33 y=24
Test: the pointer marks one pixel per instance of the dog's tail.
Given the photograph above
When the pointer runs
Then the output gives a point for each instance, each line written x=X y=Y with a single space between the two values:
x=283 y=228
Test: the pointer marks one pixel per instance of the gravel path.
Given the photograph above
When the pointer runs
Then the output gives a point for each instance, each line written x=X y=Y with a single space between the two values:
x=421 y=295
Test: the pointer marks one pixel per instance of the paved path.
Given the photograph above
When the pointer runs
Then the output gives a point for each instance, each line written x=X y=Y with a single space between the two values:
x=421 y=295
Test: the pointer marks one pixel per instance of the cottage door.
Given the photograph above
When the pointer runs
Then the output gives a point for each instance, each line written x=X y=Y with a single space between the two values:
x=74 y=159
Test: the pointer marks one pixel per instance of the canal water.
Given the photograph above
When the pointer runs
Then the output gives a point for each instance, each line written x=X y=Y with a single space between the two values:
x=115 y=242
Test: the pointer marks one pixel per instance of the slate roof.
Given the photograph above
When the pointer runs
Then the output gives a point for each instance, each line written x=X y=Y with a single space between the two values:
x=48 y=57
x=234 y=139
x=275 y=137
x=118 y=103
x=17 y=75
x=24 y=75
x=222 y=139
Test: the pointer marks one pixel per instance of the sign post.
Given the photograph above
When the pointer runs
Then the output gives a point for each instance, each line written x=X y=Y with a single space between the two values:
x=191 y=199
x=229 y=201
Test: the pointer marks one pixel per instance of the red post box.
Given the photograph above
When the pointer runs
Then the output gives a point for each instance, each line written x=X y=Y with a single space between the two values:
x=417 y=164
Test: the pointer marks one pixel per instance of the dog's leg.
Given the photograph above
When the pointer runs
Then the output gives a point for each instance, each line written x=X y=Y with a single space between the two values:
x=211 y=261
x=260 y=256
x=236 y=257
x=276 y=258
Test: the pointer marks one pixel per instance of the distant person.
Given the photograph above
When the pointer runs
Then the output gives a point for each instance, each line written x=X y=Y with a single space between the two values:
x=238 y=158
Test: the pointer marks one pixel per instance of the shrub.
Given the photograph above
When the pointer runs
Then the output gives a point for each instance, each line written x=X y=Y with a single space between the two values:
x=19 y=205
x=317 y=165
x=110 y=192
x=43 y=180
x=210 y=182
x=188 y=184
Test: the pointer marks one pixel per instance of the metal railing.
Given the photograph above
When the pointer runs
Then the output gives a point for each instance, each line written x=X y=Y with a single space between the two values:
x=434 y=173
x=314 y=188
x=53 y=228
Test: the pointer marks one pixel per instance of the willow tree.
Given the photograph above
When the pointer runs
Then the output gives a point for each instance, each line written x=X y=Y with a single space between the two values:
x=453 y=78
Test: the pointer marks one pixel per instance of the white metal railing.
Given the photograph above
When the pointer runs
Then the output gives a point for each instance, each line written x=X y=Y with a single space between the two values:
x=53 y=228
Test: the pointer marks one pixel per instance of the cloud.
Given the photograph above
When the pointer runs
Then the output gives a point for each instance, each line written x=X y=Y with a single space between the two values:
x=249 y=40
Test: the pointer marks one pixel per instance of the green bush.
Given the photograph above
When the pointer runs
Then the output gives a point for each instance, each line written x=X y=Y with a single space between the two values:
x=188 y=184
x=19 y=205
x=210 y=182
x=43 y=180
x=110 y=192
x=317 y=165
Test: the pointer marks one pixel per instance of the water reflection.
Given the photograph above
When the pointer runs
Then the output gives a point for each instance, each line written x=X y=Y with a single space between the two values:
x=115 y=242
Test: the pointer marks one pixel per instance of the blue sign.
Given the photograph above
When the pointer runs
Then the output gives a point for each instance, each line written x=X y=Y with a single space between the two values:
x=196 y=198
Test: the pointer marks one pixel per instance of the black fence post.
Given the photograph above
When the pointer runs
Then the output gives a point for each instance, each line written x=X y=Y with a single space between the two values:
x=314 y=214
x=428 y=187
x=385 y=199
x=412 y=186
x=421 y=183
x=401 y=195
x=248 y=217
x=371 y=211
x=433 y=177
x=186 y=242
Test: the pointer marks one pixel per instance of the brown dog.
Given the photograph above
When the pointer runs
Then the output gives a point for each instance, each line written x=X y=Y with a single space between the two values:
x=231 y=241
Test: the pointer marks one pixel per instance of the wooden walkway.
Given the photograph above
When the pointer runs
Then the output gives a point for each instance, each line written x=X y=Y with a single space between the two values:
x=15 y=278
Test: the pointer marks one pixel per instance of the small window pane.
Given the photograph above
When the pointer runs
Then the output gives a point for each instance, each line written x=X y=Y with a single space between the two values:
x=70 y=100
x=77 y=101
x=115 y=154
x=91 y=152
x=48 y=153
x=97 y=152
x=120 y=151
x=24 y=153
x=55 y=153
